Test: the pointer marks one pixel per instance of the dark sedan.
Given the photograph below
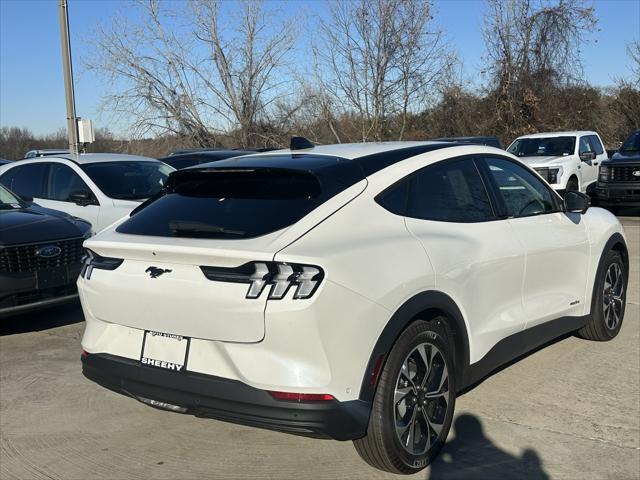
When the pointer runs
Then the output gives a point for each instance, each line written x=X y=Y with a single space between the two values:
x=189 y=159
x=40 y=255
x=619 y=178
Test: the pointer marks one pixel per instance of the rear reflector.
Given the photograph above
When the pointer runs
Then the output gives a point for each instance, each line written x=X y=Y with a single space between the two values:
x=376 y=371
x=302 y=397
x=84 y=353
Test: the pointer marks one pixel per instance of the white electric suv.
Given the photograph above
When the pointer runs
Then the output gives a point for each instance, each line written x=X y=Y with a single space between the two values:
x=345 y=291
x=100 y=188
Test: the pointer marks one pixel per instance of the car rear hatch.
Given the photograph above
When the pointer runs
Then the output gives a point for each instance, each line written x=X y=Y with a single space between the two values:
x=211 y=217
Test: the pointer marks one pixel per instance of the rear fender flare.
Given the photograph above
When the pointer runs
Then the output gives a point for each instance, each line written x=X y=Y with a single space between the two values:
x=429 y=302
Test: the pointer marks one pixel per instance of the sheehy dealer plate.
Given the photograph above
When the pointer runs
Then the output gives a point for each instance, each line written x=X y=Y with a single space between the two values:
x=164 y=350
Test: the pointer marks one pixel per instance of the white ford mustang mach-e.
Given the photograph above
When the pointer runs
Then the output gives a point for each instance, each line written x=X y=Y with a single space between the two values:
x=345 y=291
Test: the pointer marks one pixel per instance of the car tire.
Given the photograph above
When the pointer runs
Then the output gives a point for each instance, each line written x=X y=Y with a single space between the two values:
x=608 y=304
x=572 y=185
x=413 y=406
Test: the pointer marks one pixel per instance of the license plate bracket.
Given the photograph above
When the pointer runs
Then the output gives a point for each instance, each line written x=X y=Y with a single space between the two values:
x=165 y=350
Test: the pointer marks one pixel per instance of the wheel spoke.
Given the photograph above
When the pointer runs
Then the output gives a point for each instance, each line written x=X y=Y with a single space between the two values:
x=607 y=280
x=617 y=285
x=406 y=373
x=424 y=368
x=410 y=441
x=401 y=393
x=427 y=428
x=436 y=427
x=426 y=358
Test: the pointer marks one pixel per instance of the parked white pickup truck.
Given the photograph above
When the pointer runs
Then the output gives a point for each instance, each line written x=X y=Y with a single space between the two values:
x=566 y=160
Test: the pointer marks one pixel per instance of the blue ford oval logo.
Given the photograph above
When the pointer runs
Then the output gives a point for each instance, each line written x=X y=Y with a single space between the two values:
x=48 y=251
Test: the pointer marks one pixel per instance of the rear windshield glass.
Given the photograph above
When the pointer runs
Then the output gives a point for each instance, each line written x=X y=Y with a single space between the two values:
x=543 y=147
x=232 y=203
x=128 y=180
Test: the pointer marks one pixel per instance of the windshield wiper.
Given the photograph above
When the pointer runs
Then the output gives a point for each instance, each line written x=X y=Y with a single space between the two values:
x=180 y=227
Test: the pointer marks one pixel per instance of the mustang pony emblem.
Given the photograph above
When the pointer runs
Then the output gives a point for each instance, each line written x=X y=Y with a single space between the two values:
x=155 y=272
x=636 y=173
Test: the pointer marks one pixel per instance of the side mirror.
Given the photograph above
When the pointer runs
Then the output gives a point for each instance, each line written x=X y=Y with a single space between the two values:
x=576 y=202
x=81 y=197
x=587 y=156
x=26 y=198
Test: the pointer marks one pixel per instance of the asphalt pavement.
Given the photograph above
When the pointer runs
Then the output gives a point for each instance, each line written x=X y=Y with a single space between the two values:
x=569 y=411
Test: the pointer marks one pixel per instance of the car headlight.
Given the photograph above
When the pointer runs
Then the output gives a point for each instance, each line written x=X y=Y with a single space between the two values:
x=554 y=174
x=605 y=173
x=550 y=174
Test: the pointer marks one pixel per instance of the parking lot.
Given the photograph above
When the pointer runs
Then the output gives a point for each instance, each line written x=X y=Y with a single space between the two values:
x=571 y=410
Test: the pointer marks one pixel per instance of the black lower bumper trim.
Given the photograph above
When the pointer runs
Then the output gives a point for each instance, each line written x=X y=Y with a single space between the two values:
x=624 y=195
x=227 y=400
x=36 y=305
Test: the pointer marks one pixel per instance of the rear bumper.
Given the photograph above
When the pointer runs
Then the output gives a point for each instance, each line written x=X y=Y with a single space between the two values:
x=627 y=194
x=227 y=400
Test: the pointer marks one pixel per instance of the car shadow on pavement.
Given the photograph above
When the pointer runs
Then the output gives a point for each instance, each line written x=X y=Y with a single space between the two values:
x=471 y=455
x=42 y=319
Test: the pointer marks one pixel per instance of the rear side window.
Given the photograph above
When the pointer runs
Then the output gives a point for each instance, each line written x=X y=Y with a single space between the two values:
x=395 y=198
x=232 y=203
x=596 y=144
x=27 y=180
x=449 y=192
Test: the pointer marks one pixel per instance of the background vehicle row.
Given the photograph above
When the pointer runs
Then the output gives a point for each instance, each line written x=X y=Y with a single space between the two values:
x=100 y=188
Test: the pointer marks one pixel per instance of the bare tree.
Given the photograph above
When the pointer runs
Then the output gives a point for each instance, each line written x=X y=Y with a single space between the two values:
x=180 y=71
x=533 y=46
x=378 y=59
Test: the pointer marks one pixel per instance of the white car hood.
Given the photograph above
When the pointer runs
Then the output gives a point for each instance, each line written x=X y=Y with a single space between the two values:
x=544 y=161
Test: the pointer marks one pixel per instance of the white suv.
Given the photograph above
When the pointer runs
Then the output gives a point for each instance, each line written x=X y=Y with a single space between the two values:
x=345 y=291
x=100 y=188
x=569 y=161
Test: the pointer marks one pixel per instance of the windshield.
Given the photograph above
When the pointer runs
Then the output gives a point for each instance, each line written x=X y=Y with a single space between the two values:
x=543 y=147
x=128 y=180
x=8 y=199
x=632 y=144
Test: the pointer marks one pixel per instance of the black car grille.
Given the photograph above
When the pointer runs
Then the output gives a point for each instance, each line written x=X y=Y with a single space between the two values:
x=22 y=258
x=625 y=173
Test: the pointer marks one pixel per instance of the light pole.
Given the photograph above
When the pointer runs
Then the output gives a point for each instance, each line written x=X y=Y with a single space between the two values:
x=72 y=124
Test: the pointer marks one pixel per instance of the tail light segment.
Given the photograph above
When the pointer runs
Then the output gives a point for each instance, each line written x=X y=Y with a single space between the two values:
x=279 y=276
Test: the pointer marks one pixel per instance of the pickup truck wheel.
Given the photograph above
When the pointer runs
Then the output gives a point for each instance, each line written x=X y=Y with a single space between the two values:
x=572 y=185
x=608 y=305
x=414 y=402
